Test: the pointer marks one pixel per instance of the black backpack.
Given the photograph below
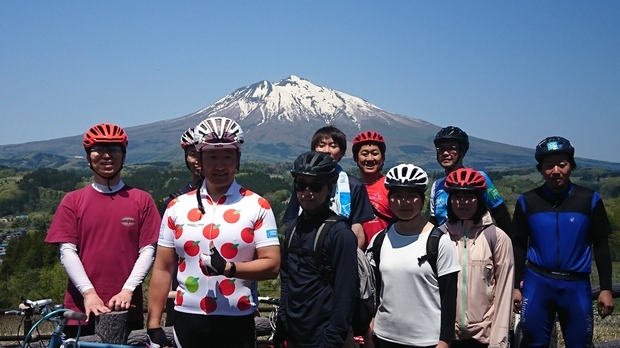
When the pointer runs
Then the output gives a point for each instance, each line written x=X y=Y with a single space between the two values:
x=432 y=245
x=365 y=305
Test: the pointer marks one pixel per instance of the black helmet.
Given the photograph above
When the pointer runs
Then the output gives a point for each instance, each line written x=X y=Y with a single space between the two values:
x=318 y=164
x=554 y=145
x=453 y=133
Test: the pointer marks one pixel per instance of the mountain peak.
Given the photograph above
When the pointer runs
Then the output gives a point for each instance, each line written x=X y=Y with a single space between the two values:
x=293 y=99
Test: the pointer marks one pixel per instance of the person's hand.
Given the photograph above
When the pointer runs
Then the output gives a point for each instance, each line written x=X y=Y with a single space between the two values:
x=516 y=301
x=605 y=303
x=156 y=338
x=279 y=337
x=121 y=301
x=442 y=344
x=213 y=263
x=368 y=342
x=93 y=303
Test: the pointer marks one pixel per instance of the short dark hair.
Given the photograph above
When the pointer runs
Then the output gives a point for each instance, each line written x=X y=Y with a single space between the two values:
x=481 y=209
x=329 y=132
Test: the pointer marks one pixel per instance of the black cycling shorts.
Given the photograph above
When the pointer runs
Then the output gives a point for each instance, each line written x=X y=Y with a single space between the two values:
x=195 y=330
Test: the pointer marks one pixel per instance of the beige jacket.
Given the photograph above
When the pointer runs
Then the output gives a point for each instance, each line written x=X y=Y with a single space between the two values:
x=485 y=282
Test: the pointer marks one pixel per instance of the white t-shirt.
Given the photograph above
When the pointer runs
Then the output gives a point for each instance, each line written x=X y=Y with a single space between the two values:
x=410 y=306
x=238 y=224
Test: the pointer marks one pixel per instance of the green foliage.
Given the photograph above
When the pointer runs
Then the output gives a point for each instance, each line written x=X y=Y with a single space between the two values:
x=31 y=267
x=26 y=259
x=59 y=180
x=12 y=199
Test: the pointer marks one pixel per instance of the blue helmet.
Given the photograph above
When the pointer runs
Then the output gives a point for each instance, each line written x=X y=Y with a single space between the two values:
x=555 y=145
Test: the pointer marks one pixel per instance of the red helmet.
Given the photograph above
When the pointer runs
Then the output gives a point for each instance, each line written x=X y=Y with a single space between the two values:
x=466 y=179
x=368 y=137
x=105 y=133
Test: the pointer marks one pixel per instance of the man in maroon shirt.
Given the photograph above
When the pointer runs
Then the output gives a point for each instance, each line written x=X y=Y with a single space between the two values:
x=106 y=232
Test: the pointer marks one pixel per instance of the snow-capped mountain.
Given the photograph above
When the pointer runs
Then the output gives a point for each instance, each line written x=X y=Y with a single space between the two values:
x=293 y=100
x=279 y=120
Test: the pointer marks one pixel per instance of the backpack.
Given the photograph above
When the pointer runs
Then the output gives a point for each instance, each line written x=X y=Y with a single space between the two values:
x=365 y=305
x=432 y=245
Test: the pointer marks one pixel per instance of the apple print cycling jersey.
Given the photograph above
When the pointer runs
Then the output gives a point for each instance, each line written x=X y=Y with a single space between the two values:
x=238 y=224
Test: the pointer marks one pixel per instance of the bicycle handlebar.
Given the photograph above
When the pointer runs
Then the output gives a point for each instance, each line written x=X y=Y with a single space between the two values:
x=74 y=315
x=27 y=304
x=269 y=300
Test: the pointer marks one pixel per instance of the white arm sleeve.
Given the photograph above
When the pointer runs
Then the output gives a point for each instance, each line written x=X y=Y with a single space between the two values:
x=141 y=268
x=73 y=265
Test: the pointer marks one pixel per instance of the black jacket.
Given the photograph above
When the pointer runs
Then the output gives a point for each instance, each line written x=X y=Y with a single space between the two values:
x=316 y=312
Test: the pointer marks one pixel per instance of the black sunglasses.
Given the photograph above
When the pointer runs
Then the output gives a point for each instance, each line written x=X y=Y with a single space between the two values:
x=315 y=186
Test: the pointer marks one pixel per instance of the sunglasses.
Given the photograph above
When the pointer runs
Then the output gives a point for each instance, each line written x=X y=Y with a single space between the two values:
x=450 y=149
x=315 y=186
x=109 y=149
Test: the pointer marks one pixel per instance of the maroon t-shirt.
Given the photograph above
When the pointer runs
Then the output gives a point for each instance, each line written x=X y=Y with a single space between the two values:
x=109 y=230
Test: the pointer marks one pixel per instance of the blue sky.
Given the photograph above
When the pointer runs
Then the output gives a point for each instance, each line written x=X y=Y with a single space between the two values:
x=508 y=71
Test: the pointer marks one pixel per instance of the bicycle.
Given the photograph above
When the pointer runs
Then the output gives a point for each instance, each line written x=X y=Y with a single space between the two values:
x=270 y=331
x=516 y=334
x=28 y=312
x=59 y=315
x=272 y=317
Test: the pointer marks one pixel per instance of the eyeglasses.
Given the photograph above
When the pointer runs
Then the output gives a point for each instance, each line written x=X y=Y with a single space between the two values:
x=450 y=149
x=315 y=186
x=109 y=149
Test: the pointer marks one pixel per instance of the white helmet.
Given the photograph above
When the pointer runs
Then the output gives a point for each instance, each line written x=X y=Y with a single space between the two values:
x=218 y=133
x=406 y=175
x=187 y=138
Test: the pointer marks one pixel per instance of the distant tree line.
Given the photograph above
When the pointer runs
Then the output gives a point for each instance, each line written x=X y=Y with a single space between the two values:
x=32 y=268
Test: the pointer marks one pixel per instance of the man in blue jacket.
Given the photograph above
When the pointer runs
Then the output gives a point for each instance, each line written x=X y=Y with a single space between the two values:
x=317 y=297
x=558 y=227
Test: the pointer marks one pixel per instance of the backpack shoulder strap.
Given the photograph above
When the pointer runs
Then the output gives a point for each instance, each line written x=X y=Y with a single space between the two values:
x=319 y=241
x=375 y=252
x=176 y=194
x=432 y=248
x=490 y=233
x=376 y=246
x=288 y=238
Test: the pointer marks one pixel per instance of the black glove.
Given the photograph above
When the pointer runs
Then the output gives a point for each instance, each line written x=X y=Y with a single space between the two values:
x=213 y=264
x=156 y=338
x=279 y=337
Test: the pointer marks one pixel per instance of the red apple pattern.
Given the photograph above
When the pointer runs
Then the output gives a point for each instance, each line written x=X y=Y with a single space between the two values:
x=208 y=304
x=191 y=247
x=244 y=303
x=179 y=298
x=227 y=286
x=216 y=226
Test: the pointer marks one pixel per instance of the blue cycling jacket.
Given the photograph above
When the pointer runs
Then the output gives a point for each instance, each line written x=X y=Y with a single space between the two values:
x=560 y=229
